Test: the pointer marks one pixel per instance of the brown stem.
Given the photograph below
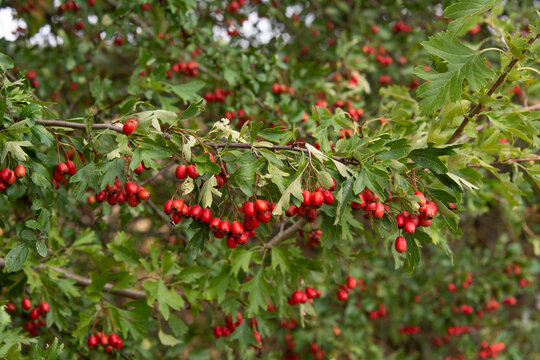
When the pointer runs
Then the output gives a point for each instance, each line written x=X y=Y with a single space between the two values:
x=74 y=125
x=284 y=235
x=478 y=107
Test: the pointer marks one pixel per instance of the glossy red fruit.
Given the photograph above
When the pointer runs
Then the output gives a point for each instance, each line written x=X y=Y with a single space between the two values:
x=342 y=295
x=378 y=212
x=217 y=331
x=185 y=210
x=424 y=222
x=71 y=168
x=132 y=200
x=220 y=180
x=26 y=304
x=119 y=344
x=104 y=340
x=101 y=196
x=12 y=179
x=192 y=171
x=224 y=227
x=311 y=215
x=130 y=126
x=44 y=307
x=311 y=292
x=251 y=223
x=214 y=224
x=258 y=338
x=5 y=174
x=351 y=282
x=20 y=171
x=92 y=341
x=206 y=215
x=143 y=194
x=61 y=168
x=3 y=186
x=317 y=199
x=328 y=197
x=231 y=242
x=181 y=171
x=113 y=339
x=409 y=227
x=131 y=188
x=248 y=208
x=57 y=176
x=422 y=200
x=264 y=217
x=333 y=187
x=307 y=198
x=431 y=210
x=291 y=211
x=400 y=219
x=168 y=207
x=195 y=212
x=34 y=313
x=236 y=228
x=401 y=244
x=370 y=196
x=261 y=206
x=109 y=348
x=414 y=219
x=10 y=307
x=299 y=296
x=177 y=206
x=176 y=218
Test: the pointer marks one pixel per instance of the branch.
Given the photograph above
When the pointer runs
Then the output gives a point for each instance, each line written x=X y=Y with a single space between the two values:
x=82 y=281
x=74 y=125
x=284 y=235
x=154 y=176
x=509 y=161
x=478 y=107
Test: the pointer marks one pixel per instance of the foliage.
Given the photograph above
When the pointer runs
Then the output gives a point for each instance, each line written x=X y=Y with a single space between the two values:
x=269 y=100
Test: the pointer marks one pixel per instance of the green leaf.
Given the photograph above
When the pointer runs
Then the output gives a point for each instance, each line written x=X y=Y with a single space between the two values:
x=30 y=111
x=464 y=64
x=280 y=258
x=295 y=188
x=16 y=257
x=15 y=149
x=241 y=260
x=188 y=91
x=205 y=196
x=5 y=62
x=463 y=8
x=344 y=195
x=168 y=340
x=41 y=248
x=258 y=288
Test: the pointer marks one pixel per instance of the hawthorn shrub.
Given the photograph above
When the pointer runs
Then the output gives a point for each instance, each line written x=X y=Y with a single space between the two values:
x=275 y=179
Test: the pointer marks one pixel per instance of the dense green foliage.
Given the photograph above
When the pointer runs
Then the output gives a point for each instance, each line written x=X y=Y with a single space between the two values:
x=270 y=100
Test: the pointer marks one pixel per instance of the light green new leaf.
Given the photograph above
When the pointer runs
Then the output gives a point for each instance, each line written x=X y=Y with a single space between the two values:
x=468 y=8
x=295 y=188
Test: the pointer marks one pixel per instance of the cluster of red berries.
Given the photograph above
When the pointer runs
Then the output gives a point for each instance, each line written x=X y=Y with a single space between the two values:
x=356 y=113
x=183 y=171
x=369 y=202
x=188 y=69
x=31 y=76
x=311 y=202
x=61 y=170
x=412 y=329
x=516 y=270
x=68 y=6
x=401 y=27
x=343 y=292
x=32 y=325
x=219 y=95
x=240 y=115
x=118 y=193
x=8 y=176
x=281 y=89
x=303 y=296
x=491 y=351
x=109 y=343
x=385 y=80
x=380 y=312
x=228 y=329
x=317 y=351
x=384 y=60
x=313 y=239
x=130 y=126
x=458 y=330
x=146 y=7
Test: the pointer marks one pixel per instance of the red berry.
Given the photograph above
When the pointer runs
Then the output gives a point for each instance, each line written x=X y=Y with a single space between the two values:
x=192 y=171
x=214 y=224
x=113 y=339
x=101 y=196
x=378 y=212
x=217 y=331
x=299 y=296
x=370 y=196
x=401 y=244
x=5 y=174
x=261 y=206
x=185 y=210
x=26 y=304
x=206 y=215
x=258 y=338
x=131 y=188
x=307 y=198
x=236 y=228
x=422 y=201
x=92 y=341
x=10 y=307
x=181 y=171
x=44 y=307
x=231 y=242
x=143 y=194
x=317 y=199
x=311 y=292
x=351 y=282
x=248 y=208
x=34 y=313
x=342 y=295
x=400 y=219
x=104 y=340
x=291 y=211
x=61 y=168
x=177 y=206
x=409 y=226
x=328 y=197
x=130 y=126
x=431 y=210
x=264 y=217
x=71 y=168
x=333 y=187
x=195 y=212
x=224 y=227
x=119 y=344
x=168 y=207
x=20 y=171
